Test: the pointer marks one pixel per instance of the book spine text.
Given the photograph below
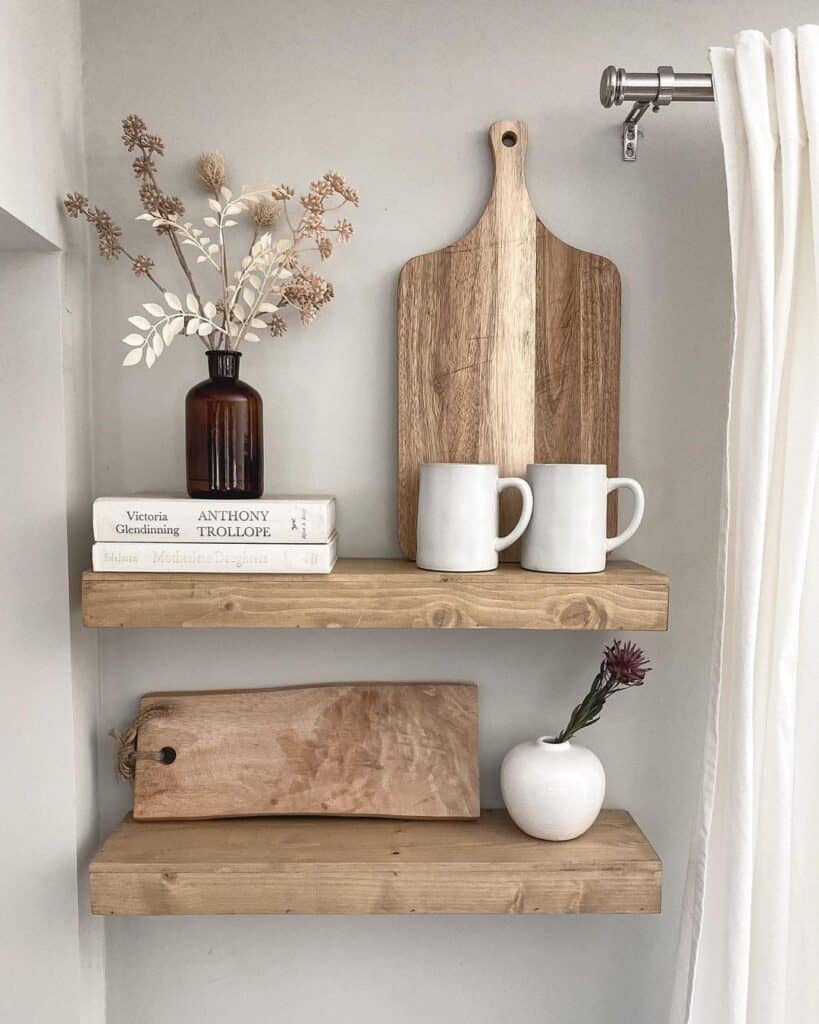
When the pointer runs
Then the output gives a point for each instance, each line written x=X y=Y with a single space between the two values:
x=164 y=557
x=200 y=523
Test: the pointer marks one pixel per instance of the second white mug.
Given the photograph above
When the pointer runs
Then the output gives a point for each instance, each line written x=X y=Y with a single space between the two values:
x=567 y=532
x=458 y=516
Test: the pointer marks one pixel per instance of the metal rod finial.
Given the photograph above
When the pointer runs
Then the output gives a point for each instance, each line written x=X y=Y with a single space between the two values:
x=611 y=86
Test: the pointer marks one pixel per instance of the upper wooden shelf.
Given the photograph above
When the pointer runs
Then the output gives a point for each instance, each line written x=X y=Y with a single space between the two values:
x=381 y=593
x=373 y=866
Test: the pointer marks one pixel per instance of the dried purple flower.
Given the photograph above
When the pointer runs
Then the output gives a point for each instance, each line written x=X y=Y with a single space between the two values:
x=626 y=663
x=623 y=666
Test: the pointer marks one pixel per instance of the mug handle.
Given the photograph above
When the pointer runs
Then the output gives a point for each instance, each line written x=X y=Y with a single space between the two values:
x=502 y=543
x=639 y=509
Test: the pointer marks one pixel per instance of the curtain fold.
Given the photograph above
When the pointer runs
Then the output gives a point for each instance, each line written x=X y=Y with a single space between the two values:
x=749 y=949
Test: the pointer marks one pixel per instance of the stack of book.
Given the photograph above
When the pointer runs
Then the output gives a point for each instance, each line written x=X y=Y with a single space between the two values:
x=169 y=534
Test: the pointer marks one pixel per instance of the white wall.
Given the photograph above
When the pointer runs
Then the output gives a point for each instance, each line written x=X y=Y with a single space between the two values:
x=41 y=103
x=399 y=97
x=84 y=665
x=39 y=921
x=51 y=950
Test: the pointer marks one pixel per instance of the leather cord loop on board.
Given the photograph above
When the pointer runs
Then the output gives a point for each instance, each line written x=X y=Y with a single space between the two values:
x=127 y=753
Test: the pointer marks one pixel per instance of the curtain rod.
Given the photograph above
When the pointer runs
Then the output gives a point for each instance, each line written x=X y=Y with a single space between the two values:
x=648 y=90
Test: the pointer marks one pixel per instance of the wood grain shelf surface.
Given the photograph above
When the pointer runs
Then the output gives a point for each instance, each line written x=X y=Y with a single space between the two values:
x=373 y=866
x=381 y=593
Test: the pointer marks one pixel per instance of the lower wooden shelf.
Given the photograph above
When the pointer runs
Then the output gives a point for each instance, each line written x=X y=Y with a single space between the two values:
x=373 y=866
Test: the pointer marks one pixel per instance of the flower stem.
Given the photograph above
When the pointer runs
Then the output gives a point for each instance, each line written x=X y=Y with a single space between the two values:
x=147 y=274
x=183 y=263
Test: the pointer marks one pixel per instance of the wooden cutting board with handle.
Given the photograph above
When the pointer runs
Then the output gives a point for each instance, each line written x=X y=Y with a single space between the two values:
x=398 y=750
x=508 y=348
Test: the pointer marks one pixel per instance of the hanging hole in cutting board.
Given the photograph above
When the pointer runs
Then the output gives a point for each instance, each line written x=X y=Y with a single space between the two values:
x=168 y=755
x=509 y=139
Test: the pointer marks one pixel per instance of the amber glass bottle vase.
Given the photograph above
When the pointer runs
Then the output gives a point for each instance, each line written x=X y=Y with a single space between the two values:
x=223 y=426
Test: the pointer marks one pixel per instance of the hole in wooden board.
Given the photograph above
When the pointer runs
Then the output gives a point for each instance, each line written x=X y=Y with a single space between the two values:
x=168 y=755
x=509 y=139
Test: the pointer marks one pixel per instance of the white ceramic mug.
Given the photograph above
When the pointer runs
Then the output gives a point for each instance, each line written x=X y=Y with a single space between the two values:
x=568 y=528
x=458 y=516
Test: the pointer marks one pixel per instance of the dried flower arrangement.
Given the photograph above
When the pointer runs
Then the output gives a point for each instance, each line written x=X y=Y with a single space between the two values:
x=623 y=666
x=272 y=276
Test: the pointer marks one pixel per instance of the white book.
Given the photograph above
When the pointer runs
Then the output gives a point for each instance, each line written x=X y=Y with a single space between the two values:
x=165 y=557
x=285 y=520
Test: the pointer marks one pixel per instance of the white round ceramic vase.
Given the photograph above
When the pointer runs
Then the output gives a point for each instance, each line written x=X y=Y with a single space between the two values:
x=552 y=790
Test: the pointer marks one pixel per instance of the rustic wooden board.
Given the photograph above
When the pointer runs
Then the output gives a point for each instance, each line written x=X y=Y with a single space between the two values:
x=508 y=348
x=331 y=866
x=381 y=593
x=400 y=750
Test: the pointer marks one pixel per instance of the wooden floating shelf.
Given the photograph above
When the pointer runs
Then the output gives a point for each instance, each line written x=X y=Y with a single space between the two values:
x=381 y=593
x=373 y=866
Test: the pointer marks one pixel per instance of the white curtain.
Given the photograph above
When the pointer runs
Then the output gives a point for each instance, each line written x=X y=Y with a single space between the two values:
x=749 y=952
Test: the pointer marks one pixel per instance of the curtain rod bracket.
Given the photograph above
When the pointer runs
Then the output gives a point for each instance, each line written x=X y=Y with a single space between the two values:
x=649 y=91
